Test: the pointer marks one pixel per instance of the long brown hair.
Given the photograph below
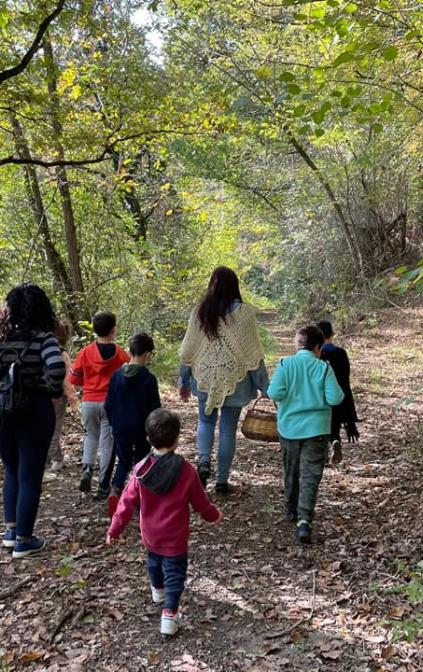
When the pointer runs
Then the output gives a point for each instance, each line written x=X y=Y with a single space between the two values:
x=222 y=291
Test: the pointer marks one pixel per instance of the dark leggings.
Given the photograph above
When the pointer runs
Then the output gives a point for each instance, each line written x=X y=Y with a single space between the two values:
x=128 y=454
x=24 y=443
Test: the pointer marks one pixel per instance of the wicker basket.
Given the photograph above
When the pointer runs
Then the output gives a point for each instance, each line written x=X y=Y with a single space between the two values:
x=260 y=425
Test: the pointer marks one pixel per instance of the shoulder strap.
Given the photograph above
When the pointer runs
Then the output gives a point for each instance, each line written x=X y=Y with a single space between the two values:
x=19 y=356
x=23 y=353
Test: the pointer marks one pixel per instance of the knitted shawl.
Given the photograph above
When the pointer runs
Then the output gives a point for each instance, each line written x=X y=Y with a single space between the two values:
x=219 y=364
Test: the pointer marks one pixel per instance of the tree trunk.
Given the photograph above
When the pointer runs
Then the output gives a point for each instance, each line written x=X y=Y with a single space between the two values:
x=349 y=235
x=54 y=259
x=63 y=183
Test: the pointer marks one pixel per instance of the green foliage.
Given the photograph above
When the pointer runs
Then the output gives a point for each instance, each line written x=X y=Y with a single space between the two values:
x=410 y=627
x=284 y=143
x=410 y=278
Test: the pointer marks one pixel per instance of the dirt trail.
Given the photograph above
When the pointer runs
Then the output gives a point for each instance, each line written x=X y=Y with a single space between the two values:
x=86 y=607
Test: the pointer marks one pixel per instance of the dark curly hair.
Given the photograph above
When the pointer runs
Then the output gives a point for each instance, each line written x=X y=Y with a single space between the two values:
x=27 y=310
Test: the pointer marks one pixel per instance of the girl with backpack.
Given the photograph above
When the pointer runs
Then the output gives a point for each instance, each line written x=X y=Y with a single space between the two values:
x=32 y=371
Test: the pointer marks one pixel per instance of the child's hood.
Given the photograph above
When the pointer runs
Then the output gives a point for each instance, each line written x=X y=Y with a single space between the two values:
x=102 y=364
x=134 y=373
x=160 y=474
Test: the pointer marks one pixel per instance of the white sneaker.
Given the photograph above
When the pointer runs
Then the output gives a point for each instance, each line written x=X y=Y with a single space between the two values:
x=336 y=452
x=157 y=595
x=169 y=622
x=57 y=465
x=49 y=476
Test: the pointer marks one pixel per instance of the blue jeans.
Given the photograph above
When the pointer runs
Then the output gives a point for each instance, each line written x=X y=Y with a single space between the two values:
x=24 y=443
x=229 y=417
x=169 y=573
x=128 y=455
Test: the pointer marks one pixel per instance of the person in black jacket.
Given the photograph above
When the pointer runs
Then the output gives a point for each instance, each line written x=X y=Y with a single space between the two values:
x=344 y=414
x=133 y=394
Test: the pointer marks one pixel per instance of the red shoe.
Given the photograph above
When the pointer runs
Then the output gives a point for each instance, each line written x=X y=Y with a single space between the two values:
x=112 y=502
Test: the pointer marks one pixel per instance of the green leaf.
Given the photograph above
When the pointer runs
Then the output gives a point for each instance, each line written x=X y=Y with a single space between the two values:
x=319 y=132
x=264 y=72
x=374 y=108
x=318 y=116
x=286 y=77
x=390 y=53
x=299 y=110
x=351 y=8
x=344 y=57
x=293 y=88
x=318 y=12
x=345 y=101
x=342 y=27
x=355 y=90
x=368 y=47
x=377 y=127
x=243 y=103
x=304 y=130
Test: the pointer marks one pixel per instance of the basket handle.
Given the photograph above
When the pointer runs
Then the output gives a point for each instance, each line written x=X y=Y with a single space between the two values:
x=260 y=399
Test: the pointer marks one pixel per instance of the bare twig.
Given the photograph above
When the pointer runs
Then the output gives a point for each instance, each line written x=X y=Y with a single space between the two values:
x=66 y=615
x=15 y=587
x=238 y=539
x=302 y=621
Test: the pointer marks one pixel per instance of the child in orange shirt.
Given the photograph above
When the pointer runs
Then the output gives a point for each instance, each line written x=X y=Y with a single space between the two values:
x=92 y=370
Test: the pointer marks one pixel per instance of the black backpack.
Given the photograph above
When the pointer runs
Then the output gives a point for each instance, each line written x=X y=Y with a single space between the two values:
x=14 y=395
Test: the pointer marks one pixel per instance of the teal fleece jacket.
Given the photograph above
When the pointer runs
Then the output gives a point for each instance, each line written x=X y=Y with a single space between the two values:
x=305 y=388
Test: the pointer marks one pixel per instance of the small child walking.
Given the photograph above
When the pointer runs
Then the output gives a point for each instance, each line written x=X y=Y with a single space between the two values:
x=63 y=333
x=344 y=414
x=163 y=486
x=133 y=394
x=92 y=370
x=305 y=389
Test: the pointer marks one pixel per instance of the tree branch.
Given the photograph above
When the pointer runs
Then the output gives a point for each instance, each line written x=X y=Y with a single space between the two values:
x=103 y=156
x=17 y=69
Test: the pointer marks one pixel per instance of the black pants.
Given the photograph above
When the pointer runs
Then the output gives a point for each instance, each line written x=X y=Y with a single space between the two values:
x=24 y=443
x=335 y=430
x=169 y=573
x=128 y=454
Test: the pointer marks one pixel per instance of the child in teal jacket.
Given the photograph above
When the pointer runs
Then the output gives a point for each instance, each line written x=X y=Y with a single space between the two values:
x=305 y=388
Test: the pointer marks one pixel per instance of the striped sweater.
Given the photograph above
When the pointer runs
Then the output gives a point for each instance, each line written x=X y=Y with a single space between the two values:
x=42 y=368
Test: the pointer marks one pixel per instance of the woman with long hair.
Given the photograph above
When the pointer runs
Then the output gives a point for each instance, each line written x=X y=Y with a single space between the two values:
x=27 y=323
x=223 y=365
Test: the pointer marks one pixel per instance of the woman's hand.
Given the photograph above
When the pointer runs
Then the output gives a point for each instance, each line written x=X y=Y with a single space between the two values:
x=110 y=540
x=185 y=393
x=219 y=520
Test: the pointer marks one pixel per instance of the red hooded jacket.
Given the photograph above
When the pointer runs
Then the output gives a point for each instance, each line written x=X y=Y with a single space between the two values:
x=163 y=518
x=91 y=372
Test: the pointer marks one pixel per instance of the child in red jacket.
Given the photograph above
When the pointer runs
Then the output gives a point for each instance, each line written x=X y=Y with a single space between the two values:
x=163 y=486
x=92 y=370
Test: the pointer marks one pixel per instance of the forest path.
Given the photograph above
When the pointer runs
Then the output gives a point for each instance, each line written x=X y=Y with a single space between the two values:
x=86 y=607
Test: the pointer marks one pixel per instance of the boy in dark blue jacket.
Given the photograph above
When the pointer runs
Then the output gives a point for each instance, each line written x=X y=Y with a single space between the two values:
x=345 y=413
x=133 y=394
